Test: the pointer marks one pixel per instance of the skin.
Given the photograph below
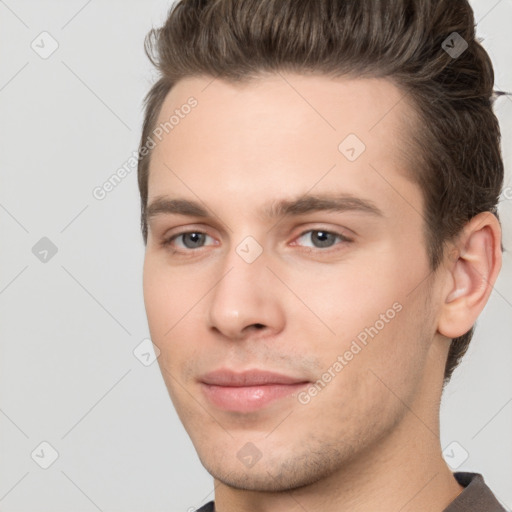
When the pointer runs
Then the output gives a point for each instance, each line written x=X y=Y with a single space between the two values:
x=369 y=440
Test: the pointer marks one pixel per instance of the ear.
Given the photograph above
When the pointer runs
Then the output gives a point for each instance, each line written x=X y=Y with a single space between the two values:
x=471 y=273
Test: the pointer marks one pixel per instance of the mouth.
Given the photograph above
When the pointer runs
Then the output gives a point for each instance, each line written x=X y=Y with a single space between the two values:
x=248 y=391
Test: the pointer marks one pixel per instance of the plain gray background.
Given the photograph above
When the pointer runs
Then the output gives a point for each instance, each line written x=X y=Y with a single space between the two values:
x=69 y=325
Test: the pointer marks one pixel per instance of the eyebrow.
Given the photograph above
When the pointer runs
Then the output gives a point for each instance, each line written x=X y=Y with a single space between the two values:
x=163 y=205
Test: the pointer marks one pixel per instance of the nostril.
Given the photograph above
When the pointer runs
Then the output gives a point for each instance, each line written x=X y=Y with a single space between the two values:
x=259 y=326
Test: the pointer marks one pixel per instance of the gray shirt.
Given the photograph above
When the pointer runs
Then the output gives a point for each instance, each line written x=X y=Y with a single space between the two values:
x=476 y=496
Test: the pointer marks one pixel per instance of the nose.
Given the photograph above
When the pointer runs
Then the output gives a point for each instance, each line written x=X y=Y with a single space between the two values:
x=245 y=300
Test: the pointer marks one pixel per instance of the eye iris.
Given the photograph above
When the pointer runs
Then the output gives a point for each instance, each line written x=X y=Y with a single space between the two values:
x=323 y=238
x=193 y=240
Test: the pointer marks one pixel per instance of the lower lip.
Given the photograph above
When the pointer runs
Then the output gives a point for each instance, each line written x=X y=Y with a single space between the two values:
x=248 y=398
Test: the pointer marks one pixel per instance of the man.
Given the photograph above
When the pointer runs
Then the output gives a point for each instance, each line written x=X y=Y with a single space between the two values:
x=319 y=181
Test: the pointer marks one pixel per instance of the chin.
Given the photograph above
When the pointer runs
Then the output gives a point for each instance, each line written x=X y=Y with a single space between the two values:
x=277 y=475
x=261 y=481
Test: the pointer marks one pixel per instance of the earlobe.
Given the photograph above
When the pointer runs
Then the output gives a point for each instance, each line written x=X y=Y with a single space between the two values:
x=471 y=276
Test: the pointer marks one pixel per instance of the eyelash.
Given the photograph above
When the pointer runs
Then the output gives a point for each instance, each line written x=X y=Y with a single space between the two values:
x=167 y=243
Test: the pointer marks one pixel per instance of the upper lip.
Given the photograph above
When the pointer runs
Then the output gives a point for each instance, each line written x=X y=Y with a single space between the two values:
x=225 y=377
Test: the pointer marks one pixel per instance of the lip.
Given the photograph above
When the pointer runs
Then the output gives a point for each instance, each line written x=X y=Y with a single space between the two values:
x=248 y=391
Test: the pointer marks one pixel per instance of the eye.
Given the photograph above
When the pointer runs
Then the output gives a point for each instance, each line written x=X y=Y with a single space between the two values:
x=320 y=239
x=188 y=240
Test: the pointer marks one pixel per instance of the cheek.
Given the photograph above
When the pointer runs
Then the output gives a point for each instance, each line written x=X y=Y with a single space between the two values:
x=170 y=297
x=388 y=369
x=367 y=393
x=347 y=298
x=156 y=300
x=381 y=330
x=167 y=295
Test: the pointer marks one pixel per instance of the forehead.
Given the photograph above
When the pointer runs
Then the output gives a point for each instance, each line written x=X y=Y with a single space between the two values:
x=283 y=133
x=362 y=103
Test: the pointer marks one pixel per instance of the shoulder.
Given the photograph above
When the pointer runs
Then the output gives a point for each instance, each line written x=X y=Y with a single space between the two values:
x=206 y=508
x=476 y=495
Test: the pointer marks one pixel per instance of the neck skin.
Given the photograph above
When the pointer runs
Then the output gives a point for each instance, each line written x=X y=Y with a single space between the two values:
x=403 y=472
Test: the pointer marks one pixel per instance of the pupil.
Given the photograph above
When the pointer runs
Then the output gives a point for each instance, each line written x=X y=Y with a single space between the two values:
x=323 y=238
x=194 y=238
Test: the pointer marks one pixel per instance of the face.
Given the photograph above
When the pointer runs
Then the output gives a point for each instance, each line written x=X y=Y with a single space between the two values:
x=285 y=274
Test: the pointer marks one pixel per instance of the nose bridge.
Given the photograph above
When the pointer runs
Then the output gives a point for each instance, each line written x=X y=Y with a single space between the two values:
x=243 y=296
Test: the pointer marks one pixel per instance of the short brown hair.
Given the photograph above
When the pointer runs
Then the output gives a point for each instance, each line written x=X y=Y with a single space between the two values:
x=460 y=167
